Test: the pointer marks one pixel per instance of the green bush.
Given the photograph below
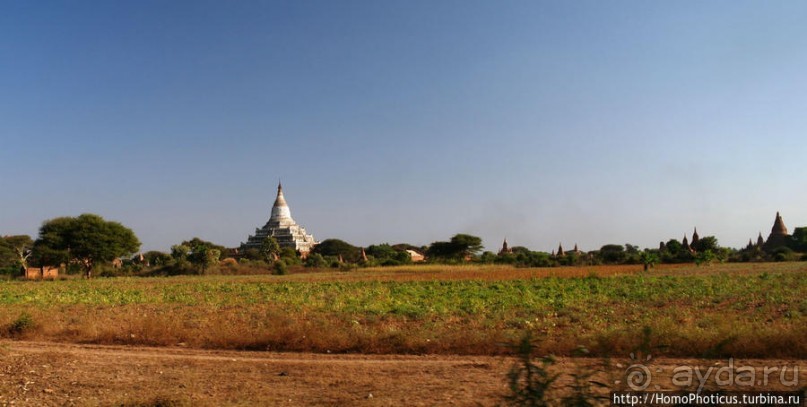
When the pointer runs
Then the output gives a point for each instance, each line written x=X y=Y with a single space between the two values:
x=23 y=324
x=280 y=268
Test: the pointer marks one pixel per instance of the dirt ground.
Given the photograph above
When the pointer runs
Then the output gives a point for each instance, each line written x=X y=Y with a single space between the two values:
x=38 y=373
x=54 y=374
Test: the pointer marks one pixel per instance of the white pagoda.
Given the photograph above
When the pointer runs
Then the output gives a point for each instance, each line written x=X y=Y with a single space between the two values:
x=283 y=228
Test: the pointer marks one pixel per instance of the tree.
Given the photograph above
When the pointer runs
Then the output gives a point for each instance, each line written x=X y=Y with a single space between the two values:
x=87 y=240
x=382 y=252
x=203 y=254
x=705 y=257
x=180 y=252
x=270 y=249
x=337 y=248
x=460 y=247
x=9 y=263
x=489 y=257
x=706 y=243
x=289 y=256
x=156 y=258
x=800 y=239
x=649 y=259
x=21 y=246
x=674 y=252
x=441 y=251
x=468 y=245
x=403 y=258
x=632 y=254
x=316 y=260
x=212 y=257
x=673 y=247
x=612 y=254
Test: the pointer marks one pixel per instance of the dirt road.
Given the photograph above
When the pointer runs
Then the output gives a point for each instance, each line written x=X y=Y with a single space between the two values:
x=37 y=373
x=57 y=374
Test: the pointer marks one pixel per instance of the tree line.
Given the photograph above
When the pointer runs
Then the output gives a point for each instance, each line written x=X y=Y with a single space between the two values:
x=87 y=243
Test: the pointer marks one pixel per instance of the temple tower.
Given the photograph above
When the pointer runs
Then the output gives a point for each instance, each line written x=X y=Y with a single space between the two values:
x=505 y=248
x=779 y=236
x=695 y=237
x=283 y=228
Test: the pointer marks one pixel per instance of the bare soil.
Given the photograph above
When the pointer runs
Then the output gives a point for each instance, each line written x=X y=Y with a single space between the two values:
x=40 y=373
x=55 y=374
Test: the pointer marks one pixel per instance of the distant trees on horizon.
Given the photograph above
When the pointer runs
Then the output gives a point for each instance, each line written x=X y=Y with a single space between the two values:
x=88 y=242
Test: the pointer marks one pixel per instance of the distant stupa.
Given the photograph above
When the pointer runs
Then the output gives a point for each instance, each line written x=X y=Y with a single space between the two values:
x=779 y=236
x=505 y=248
x=283 y=228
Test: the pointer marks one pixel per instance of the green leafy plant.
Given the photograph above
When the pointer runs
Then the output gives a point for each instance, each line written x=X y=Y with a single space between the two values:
x=529 y=379
x=582 y=393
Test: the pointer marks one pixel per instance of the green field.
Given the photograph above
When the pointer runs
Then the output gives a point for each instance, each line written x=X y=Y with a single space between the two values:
x=687 y=311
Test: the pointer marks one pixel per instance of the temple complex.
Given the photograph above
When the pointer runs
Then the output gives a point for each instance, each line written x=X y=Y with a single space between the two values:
x=283 y=228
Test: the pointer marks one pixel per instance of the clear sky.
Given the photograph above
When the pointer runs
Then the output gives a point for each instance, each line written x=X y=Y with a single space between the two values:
x=547 y=122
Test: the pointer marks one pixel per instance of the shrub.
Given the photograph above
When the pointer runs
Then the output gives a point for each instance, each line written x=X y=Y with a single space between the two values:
x=20 y=326
x=390 y=262
x=315 y=260
x=280 y=268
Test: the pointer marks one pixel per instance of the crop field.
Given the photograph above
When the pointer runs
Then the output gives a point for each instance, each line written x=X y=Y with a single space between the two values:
x=741 y=310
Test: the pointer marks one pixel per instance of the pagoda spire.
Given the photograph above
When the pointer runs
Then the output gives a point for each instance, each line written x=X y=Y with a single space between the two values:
x=778 y=226
x=505 y=247
x=280 y=209
x=779 y=236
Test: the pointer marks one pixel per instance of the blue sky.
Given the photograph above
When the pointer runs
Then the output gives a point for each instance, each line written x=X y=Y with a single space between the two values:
x=548 y=122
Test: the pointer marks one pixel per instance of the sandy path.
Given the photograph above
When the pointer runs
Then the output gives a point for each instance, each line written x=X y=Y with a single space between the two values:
x=37 y=373
x=56 y=374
